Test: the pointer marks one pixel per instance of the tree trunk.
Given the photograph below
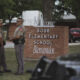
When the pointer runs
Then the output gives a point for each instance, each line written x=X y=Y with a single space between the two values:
x=48 y=9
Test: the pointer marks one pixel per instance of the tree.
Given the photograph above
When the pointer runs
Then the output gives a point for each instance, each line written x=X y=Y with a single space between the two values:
x=22 y=5
x=73 y=7
x=70 y=6
x=13 y=8
x=48 y=6
x=6 y=9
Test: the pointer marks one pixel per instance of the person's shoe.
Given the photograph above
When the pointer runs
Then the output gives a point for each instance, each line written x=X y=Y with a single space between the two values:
x=17 y=73
x=7 y=70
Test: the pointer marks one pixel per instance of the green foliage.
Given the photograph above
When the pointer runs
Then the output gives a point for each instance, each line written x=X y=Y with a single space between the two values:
x=74 y=7
x=70 y=6
x=14 y=8
x=6 y=8
x=22 y=5
x=11 y=8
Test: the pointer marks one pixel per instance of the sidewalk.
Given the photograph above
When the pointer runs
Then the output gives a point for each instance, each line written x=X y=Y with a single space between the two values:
x=71 y=44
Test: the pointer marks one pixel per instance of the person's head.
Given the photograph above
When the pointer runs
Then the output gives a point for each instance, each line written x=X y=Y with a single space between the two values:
x=1 y=22
x=19 y=21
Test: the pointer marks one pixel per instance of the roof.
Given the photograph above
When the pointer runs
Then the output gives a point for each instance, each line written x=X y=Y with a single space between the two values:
x=14 y=20
x=69 y=16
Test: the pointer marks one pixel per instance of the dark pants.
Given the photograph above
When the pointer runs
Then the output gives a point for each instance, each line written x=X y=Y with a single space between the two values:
x=2 y=58
x=19 y=55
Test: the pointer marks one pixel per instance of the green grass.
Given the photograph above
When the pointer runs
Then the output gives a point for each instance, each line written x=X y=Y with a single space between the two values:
x=74 y=49
x=12 y=64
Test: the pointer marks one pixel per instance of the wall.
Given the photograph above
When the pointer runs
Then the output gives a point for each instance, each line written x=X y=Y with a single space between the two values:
x=46 y=41
x=12 y=29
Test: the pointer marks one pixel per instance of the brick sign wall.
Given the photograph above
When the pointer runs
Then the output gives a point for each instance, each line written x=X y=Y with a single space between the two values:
x=12 y=29
x=46 y=41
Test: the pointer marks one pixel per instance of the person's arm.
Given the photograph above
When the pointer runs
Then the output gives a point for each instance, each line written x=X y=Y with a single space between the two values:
x=15 y=36
x=20 y=35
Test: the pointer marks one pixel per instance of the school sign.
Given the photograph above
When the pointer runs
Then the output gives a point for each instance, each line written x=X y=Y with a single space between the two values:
x=46 y=41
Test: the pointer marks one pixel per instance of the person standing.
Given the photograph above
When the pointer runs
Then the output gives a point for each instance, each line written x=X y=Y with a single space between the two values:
x=2 y=51
x=19 y=40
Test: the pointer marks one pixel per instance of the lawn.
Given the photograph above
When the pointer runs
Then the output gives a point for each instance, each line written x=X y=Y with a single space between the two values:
x=74 y=49
x=11 y=61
